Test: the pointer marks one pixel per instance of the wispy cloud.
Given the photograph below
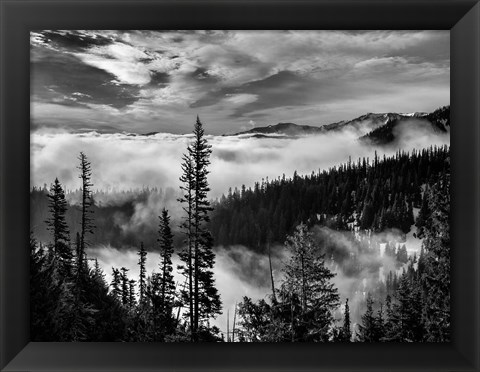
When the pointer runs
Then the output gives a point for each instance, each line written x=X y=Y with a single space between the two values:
x=149 y=80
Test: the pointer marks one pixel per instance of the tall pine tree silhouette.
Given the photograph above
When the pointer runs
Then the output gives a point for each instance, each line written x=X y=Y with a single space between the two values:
x=87 y=225
x=186 y=255
x=202 y=295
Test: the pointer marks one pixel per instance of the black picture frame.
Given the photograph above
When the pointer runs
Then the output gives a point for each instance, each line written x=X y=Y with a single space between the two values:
x=18 y=17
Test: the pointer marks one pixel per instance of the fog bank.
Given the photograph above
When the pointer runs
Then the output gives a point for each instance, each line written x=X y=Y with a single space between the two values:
x=240 y=272
x=124 y=161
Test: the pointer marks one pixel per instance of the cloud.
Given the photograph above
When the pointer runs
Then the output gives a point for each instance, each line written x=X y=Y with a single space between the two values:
x=240 y=99
x=146 y=212
x=127 y=161
x=123 y=61
x=58 y=78
x=155 y=78
x=72 y=40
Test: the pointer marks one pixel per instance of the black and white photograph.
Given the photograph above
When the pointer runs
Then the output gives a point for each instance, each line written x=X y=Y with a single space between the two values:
x=240 y=186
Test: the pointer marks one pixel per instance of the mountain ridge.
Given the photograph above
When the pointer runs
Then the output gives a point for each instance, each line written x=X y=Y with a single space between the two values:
x=438 y=119
x=376 y=127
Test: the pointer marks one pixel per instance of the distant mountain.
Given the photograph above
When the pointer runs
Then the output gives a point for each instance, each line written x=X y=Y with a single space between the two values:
x=285 y=129
x=370 y=121
x=363 y=124
x=377 y=128
x=439 y=120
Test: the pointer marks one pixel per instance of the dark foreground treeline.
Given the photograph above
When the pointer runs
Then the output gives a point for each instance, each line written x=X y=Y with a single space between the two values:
x=71 y=301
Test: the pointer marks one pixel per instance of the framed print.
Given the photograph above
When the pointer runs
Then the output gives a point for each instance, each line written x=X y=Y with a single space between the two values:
x=255 y=185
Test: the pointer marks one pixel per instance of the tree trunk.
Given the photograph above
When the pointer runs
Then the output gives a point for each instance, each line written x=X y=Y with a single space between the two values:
x=271 y=275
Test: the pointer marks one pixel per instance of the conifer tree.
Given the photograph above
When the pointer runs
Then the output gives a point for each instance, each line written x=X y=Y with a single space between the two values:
x=166 y=284
x=389 y=329
x=166 y=252
x=58 y=226
x=143 y=272
x=116 y=284
x=367 y=215
x=87 y=225
x=405 y=317
x=367 y=331
x=186 y=255
x=307 y=279
x=199 y=258
x=43 y=294
x=131 y=293
x=423 y=214
x=125 y=286
x=346 y=331
x=78 y=246
x=97 y=270
x=411 y=218
x=380 y=323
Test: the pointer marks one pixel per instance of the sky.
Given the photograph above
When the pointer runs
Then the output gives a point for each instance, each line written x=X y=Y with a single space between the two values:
x=159 y=81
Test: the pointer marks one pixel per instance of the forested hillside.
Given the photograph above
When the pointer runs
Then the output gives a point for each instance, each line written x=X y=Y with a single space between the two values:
x=374 y=194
